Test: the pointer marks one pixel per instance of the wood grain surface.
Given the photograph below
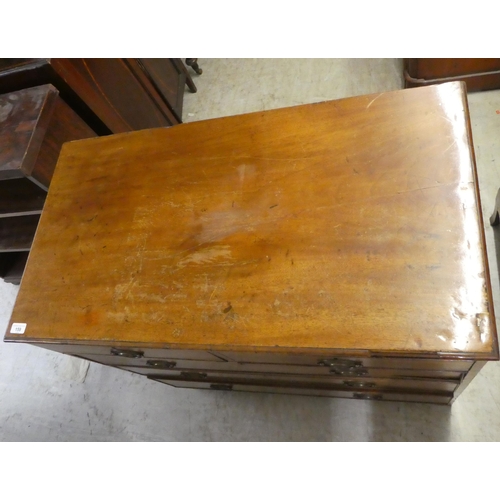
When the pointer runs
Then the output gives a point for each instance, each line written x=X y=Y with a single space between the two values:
x=344 y=225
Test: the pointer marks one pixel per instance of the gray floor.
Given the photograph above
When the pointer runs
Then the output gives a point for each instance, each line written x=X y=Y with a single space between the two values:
x=45 y=396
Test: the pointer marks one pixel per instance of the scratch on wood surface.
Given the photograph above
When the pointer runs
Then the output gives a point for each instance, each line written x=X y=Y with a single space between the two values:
x=265 y=158
x=122 y=291
x=151 y=297
x=418 y=189
x=177 y=332
x=452 y=144
x=373 y=100
x=206 y=256
x=213 y=292
x=153 y=317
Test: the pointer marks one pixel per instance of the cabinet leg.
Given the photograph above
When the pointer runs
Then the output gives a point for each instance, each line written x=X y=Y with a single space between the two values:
x=495 y=217
x=189 y=80
x=194 y=64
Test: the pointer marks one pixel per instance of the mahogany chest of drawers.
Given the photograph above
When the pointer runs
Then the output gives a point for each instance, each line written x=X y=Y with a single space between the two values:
x=331 y=249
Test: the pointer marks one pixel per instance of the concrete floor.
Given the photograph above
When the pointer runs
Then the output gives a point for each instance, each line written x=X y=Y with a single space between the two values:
x=46 y=396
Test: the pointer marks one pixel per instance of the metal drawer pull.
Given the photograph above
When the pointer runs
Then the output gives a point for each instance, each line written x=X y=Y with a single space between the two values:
x=376 y=397
x=341 y=363
x=221 y=387
x=193 y=375
x=126 y=353
x=160 y=363
x=350 y=372
x=359 y=384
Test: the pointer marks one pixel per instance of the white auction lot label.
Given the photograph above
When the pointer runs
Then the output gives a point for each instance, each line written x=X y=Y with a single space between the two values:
x=18 y=328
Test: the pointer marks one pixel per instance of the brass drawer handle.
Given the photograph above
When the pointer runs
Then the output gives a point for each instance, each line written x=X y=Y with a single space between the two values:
x=359 y=384
x=350 y=372
x=193 y=375
x=160 y=363
x=340 y=363
x=375 y=397
x=126 y=353
x=222 y=387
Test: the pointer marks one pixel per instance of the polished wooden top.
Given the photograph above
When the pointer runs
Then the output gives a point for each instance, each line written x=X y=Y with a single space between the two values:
x=345 y=225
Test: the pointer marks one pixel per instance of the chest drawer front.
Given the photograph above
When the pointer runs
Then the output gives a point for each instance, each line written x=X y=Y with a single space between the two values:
x=338 y=383
x=372 y=395
x=212 y=371
x=345 y=364
x=118 y=353
x=298 y=370
x=159 y=364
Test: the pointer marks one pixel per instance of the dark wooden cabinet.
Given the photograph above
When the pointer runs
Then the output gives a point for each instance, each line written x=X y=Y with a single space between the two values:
x=167 y=78
x=478 y=74
x=58 y=100
x=110 y=95
x=330 y=249
x=34 y=124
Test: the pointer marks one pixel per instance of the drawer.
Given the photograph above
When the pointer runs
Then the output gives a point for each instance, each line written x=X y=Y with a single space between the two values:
x=232 y=366
x=116 y=355
x=160 y=364
x=443 y=398
x=333 y=382
x=162 y=361
x=344 y=364
x=169 y=80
